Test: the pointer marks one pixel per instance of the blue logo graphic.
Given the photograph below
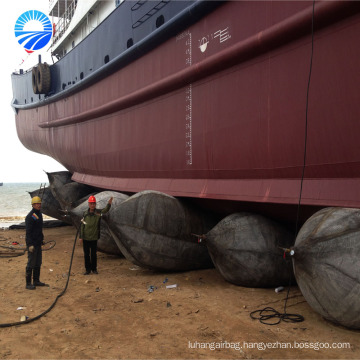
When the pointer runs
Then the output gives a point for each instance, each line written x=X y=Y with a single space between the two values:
x=33 y=30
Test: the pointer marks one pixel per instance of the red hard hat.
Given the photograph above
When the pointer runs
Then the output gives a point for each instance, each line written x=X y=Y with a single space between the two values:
x=92 y=199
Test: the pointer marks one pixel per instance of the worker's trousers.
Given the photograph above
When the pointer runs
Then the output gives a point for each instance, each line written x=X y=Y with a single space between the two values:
x=90 y=257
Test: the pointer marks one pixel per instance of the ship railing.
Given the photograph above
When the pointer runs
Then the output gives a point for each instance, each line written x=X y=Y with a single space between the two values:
x=64 y=22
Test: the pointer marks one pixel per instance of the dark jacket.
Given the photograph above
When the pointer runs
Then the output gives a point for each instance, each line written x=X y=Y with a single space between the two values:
x=91 y=229
x=34 y=226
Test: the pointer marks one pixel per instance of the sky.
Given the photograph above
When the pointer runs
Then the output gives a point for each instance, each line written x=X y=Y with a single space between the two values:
x=18 y=164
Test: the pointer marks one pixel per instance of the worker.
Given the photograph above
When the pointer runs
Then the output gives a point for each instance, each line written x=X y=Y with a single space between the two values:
x=34 y=241
x=90 y=233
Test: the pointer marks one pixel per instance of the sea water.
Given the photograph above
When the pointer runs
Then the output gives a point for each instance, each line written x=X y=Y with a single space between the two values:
x=15 y=202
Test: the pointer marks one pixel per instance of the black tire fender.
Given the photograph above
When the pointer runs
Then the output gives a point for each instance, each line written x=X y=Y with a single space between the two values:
x=34 y=80
x=43 y=79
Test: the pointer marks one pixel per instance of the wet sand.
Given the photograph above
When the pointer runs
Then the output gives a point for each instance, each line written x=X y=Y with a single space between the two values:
x=112 y=315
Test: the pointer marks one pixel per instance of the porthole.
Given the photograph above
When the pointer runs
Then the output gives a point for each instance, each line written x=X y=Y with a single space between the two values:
x=160 y=21
x=130 y=43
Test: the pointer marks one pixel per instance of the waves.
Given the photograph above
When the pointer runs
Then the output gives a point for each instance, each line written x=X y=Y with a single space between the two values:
x=15 y=199
x=6 y=221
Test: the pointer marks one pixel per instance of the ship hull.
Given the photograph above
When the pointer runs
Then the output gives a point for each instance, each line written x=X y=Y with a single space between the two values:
x=229 y=110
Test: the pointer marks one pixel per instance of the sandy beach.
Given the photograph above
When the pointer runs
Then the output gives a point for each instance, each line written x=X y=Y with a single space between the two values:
x=113 y=315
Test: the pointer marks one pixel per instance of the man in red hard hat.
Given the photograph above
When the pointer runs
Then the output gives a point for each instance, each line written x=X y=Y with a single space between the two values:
x=90 y=233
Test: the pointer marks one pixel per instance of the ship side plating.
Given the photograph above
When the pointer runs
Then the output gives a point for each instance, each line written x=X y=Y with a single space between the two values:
x=210 y=105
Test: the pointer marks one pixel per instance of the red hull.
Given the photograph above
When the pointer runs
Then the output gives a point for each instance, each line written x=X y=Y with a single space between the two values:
x=224 y=122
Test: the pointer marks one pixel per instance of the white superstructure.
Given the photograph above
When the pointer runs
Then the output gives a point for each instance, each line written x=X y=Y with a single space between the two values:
x=75 y=19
